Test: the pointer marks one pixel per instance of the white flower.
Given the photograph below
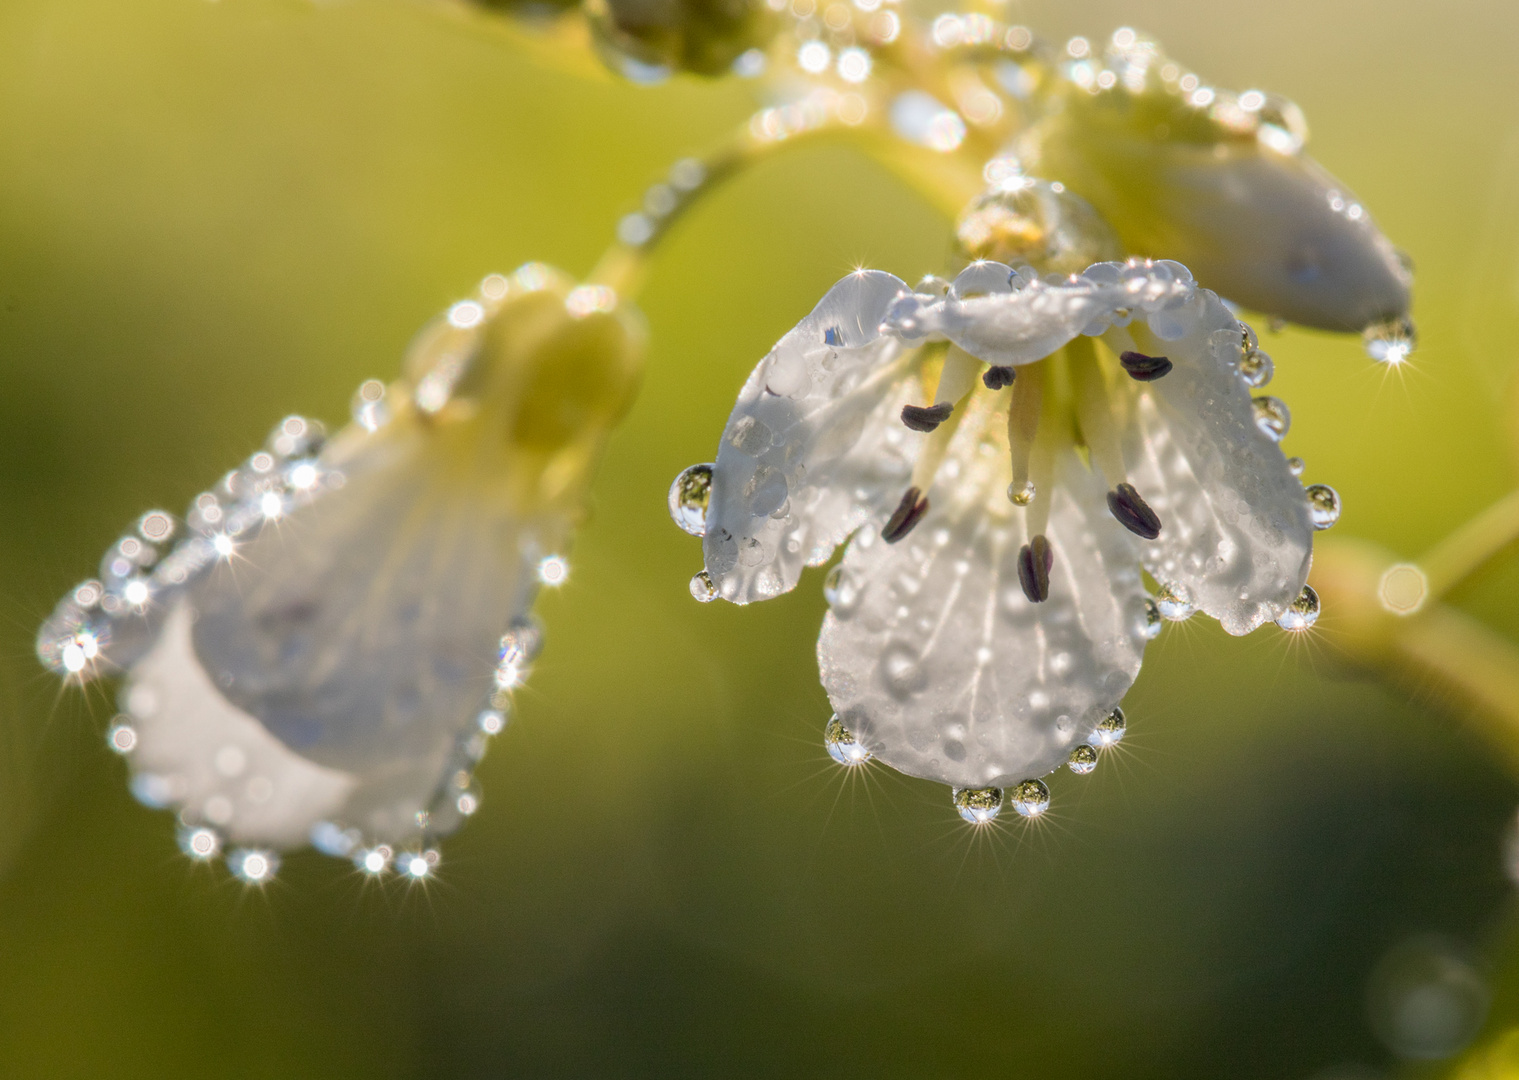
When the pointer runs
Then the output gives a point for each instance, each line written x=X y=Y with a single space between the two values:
x=990 y=612
x=322 y=654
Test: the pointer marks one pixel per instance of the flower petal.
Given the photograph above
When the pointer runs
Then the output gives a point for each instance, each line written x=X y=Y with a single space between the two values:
x=937 y=661
x=814 y=446
x=1040 y=315
x=339 y=662
x=1235 y=526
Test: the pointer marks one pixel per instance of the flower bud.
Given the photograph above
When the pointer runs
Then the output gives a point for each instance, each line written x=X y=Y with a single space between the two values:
x=1219 y=182
x=1025 y=221
x=647 y=39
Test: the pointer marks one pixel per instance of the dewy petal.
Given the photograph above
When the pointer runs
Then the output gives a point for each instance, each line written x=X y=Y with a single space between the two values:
x=937 y=661
x=1041 y=315
x=1235 y=524
x=815 y=446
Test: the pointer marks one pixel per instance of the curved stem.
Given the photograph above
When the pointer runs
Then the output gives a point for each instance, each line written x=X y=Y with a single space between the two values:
x=1463 y=655
x=1466 y=550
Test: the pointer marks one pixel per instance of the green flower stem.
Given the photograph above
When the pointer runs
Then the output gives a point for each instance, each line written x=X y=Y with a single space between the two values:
x=1470 y=547
x=1477 y=665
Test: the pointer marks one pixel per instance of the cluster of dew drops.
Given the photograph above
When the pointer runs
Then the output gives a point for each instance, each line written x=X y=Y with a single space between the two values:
x=1389 y=342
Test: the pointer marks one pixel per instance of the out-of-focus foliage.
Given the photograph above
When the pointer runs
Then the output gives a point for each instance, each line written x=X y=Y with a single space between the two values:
x=212 y=214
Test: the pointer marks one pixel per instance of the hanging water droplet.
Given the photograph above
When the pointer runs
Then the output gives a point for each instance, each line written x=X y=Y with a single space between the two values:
x=1021 y=494
x=1248 y=340
x=1256 y=368
x=553 y=570
x=702 y=589
x=1302 y=612
x=1031 y=798
x=1323 y=505
x=1111 y=728
x=689 y=496
x=1174 y=602
x=121 y=737
x=1083 y=760
x=1390 y=341
x=842 y=745
x=1296 y=465
x=199 y=842
x=373 y=861
x=977 y=805
x=1272 y=417
x=1153 y=621
x=253 y=865
x=369 y=407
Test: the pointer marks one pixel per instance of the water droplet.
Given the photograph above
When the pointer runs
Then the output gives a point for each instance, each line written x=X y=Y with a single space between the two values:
x=1083 y=760
x=1021 y=494
x=1296 y=465
x=842 y=745
x=977 y=805
x=121 y=737
x=1174 y=602
x=1302 y=612
x=369 y=408
x=491 y=721
x=199 y=842
x=1256 y=368
x=523 y=639
x=689 y=496
x=1248 y=340
x=554 y=570
x=373 y=861
x=254 y=866
x=1031 y=798
x=155 y=526
x=1390 y=341
x=1272 y=417
x=1111 y=728
x=1153 y=621
x=702 y=589
x=902 y=671
x=416 y=865
x=1323 y=505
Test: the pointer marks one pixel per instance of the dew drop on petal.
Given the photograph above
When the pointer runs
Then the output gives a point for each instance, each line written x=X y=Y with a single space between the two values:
x=369 y=407
x=1031 y=798
x=1111 y=728
x=1323 y=505
x=689 y=496
x=842 y=745
x=253 y=865
x=491 y=721
x=553 y=570
x=1390 y=341
x=1083 y=760
x=1302 y=612
x=1174 y=602
x=1272 y=417
x=1021 y=494
x=1256 y=368
x=199 y=842
x=702 y=588
x=121 y=737
x=415 y=865
x=1153 y=621
x=1296 y=465
x=373 y=861
x=977 y=805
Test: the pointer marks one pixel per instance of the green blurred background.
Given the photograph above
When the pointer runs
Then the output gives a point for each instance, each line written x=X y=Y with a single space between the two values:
x=215 y=213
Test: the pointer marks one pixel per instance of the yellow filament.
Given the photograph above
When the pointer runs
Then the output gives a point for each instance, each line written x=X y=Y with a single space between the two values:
x=958 y=376
x=1099 y=427
x=1054 y=435
x=934 y=449
x=1023 y=418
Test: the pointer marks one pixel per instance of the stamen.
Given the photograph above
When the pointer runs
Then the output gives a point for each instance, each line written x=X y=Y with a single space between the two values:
x=1144 y=368
x=1133 y=513
x=996 y=377
x=1035 y=560
x=907 y=514
x=926 y=417
x=1023 y=423
x=1099 y=427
